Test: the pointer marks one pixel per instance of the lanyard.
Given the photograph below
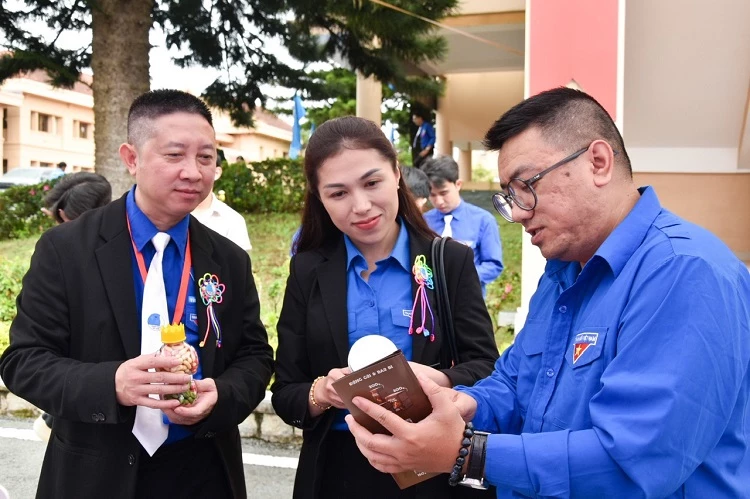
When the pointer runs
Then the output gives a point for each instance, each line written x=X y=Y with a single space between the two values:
x=182 y=294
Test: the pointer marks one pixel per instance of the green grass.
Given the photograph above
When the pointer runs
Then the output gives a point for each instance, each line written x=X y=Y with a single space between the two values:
x=271 y=236
x=18 y=249
x=4 y=340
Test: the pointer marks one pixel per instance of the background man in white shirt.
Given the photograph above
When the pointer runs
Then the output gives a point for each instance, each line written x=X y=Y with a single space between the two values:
x=220 y=218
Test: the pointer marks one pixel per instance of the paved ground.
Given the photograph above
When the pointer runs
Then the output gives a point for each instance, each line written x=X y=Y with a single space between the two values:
x=269 y=469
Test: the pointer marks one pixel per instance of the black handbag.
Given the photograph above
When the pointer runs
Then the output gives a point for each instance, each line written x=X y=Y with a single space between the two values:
x=449 y=353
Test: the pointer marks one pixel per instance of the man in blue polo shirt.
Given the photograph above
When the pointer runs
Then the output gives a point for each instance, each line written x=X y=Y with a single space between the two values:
x=464 y=222
x=631 y=375
x=423 y=146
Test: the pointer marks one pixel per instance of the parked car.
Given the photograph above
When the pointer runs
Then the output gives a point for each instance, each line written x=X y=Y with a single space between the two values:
x=29 y=176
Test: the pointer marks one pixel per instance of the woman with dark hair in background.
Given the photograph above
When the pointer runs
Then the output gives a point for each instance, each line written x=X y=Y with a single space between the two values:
x=352 y=276
x=75 y=194
x=70 y=197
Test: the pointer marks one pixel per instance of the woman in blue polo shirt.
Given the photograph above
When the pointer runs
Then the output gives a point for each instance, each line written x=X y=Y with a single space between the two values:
x=352 y=276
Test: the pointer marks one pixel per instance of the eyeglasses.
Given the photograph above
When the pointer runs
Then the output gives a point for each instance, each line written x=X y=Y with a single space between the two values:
x=520 y=192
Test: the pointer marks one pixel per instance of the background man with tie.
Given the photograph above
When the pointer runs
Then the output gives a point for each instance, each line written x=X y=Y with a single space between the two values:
x=82 y=345
x=464 y=222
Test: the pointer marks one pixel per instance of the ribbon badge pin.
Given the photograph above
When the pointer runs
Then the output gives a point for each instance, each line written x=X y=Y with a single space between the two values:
x=423 y=278
x=211 y=291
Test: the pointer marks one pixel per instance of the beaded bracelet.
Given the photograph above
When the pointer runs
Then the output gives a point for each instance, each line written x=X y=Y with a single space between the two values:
x=312 y=394
x=462 y=453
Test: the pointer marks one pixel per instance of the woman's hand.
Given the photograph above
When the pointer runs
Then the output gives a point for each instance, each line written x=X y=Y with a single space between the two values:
x=324 y=393
x=436 y=376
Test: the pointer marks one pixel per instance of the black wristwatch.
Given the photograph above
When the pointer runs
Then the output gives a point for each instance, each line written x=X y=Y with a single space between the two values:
x=474 y=477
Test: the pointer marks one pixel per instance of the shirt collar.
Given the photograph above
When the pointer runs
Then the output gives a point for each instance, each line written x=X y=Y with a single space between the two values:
x=620 y=245
x=458 y=211
x=400 y=250
x=214 y=207
x=143 y=230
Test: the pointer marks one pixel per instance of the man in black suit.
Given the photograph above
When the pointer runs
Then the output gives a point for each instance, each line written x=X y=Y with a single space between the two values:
x=76 y=342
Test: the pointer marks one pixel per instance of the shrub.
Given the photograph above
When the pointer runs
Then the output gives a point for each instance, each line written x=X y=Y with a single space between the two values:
x=11 y=274
x=4 y=336
x=20 y=211
x=271 y=186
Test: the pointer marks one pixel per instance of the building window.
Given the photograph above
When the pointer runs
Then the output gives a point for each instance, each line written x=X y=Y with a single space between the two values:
x=84 y=130
x=44 y=164
x=5 y=166
x=45 y=123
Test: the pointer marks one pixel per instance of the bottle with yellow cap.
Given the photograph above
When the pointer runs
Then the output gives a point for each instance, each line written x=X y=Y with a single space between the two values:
x=174 y=345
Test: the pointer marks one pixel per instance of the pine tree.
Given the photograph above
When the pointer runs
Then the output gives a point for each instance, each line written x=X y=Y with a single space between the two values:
x=227 y=35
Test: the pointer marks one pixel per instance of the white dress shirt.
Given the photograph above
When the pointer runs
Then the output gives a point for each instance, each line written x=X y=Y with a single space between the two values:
x=222 y=219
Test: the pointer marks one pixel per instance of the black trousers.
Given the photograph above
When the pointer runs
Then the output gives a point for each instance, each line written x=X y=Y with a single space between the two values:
x=189 y=468
x=348 y=474
x=417 y=160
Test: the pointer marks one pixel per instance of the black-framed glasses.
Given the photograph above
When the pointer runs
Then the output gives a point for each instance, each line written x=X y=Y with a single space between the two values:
x=521 y=193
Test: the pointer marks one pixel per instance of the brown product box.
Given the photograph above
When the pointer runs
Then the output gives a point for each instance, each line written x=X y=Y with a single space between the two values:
x=390 y=383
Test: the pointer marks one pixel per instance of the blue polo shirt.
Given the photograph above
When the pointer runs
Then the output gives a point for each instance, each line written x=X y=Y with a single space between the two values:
x=382 y=304
x=426 y=135
x=630 y=376
x=477 y=229
x=143 y=231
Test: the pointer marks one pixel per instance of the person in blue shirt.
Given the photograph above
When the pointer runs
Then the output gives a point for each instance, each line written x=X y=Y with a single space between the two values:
x=352 y=275
x=464 y=222
x=630 y=376
x=423 y=145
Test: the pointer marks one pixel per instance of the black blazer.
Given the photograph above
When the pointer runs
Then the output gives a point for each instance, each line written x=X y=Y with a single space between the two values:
x=313 y=338
x=77 y=322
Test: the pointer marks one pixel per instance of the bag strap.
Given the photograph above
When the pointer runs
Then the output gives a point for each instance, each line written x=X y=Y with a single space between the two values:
x=437 y=251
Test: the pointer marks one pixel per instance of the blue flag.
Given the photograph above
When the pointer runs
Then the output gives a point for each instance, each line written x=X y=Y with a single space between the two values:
x=299 y=113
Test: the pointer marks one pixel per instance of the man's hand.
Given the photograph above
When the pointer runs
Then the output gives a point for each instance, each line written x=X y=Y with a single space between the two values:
x=430 y=445
x=134 y=382
x=198 y=410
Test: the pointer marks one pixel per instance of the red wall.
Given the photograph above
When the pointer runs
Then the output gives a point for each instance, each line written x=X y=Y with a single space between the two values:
x=574 y=40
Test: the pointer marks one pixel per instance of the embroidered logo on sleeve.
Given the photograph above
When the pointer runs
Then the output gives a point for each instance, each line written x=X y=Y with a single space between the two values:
x=582 y=342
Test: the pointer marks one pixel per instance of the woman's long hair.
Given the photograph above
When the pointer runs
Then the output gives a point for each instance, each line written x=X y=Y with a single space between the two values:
x=329 y=140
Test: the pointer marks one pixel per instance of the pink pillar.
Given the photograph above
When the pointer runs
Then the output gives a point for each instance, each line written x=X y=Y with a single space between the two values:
x=574 y=40
x=574 y=43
